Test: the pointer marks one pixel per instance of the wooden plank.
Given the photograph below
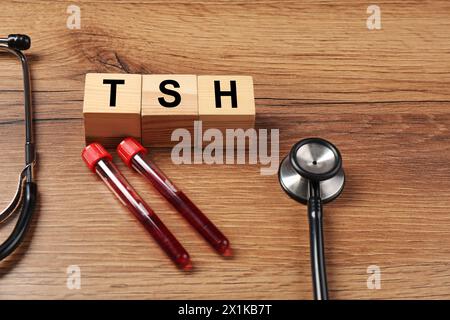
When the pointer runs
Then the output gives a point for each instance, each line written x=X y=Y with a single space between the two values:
x=381 y=96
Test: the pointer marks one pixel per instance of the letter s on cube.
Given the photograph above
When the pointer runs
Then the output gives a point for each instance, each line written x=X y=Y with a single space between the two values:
x=169 y=102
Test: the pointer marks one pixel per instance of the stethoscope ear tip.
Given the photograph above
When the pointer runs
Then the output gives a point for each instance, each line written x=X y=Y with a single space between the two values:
x=19 y=41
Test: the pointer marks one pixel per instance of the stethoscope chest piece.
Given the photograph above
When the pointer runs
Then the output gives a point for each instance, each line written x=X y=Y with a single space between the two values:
x=312 y=174
x=312 y=159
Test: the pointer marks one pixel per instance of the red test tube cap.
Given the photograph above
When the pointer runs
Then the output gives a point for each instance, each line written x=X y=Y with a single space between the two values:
x=93 y=153
x=128 y=148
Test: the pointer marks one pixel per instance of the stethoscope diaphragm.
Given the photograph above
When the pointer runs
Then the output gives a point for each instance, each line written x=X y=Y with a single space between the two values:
x=297 y=188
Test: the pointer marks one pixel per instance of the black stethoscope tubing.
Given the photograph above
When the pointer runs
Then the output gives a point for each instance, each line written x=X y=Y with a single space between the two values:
x=27 y=189
x=317 y=250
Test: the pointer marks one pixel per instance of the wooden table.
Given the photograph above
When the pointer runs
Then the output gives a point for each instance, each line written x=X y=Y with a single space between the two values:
x=381 y=96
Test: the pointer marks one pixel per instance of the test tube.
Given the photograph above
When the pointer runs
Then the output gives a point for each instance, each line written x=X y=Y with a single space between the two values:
x=133 y=154
x=100 y=162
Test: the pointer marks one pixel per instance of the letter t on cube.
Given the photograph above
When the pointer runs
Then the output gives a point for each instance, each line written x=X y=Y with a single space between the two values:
x=112 y=107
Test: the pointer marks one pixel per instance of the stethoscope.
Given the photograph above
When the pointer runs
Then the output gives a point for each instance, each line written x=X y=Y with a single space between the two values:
x=312 y=174
x=25 y=196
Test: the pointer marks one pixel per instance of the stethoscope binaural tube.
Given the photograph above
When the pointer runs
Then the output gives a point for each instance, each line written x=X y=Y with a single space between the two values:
x=312 y=174
x=27 y=189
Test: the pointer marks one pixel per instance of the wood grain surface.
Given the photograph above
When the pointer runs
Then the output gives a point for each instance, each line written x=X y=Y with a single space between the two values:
x=381 y=96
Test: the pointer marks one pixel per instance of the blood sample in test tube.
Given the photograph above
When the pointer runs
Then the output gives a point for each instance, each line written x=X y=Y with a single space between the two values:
x=100 y=162
x=134 y=156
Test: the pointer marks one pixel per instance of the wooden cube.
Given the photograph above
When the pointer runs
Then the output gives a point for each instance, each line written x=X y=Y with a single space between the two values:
x=226 y=102
x=169 y=102
x=112 y=107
